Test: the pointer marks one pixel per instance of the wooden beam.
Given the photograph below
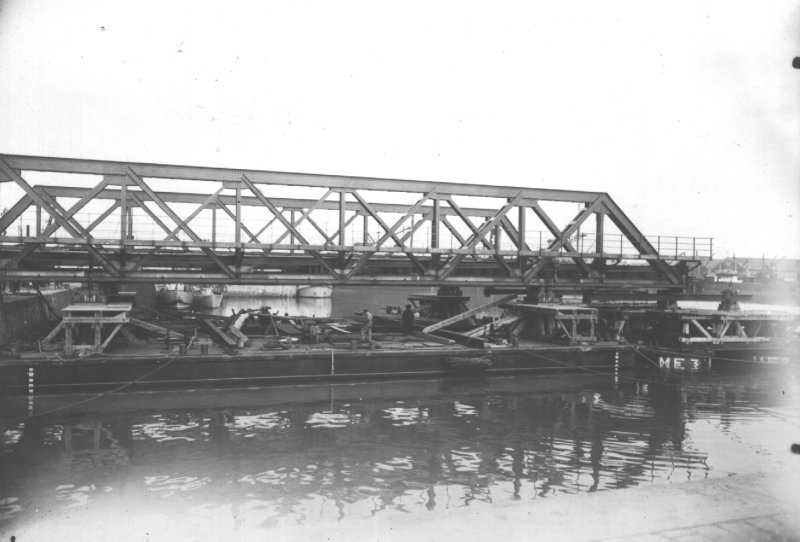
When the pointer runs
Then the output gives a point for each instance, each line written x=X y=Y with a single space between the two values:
x=464 y=315
x=155 y=329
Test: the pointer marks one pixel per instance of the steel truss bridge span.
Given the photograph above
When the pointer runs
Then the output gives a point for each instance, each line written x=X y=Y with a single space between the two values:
x=121 y=222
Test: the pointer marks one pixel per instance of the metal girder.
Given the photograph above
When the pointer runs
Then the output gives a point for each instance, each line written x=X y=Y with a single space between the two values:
x=56 y=212
x=478 y=235
x=105 y=214
x=391 y=233
x=208 y=201
x=244 y=228
x=12 y=214
x=286 y=204
x=106 y=167
x=174 y=232
x=562 y=237
x=452 y=229
x=637 y=239
x=503 y=261
x=52 y=228
x=288 y=225
x=306 y=212
x=175 y=218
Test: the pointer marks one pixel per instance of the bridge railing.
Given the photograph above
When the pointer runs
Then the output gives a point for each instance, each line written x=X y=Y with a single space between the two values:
x=613 y=245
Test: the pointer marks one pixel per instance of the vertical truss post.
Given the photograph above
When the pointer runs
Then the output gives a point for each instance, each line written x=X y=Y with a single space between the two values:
x=435 y=258
x=130 y=223
x=598 y=243
x=238 y=233
x=521 y=235
x=291 y=233
x=123 y=214
x=366 y=231
x=342 y=225
x=214 y=226
x=38 y=221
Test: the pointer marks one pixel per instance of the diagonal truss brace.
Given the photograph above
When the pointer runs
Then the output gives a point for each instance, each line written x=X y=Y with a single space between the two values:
x=627 y=227
x=53 y=227
x=14 y=213
x=288 y=225
x=478 y=234
x=390 y=232
x=562 y=238
x=57 y=213
x=175 y=218
x=306 y=216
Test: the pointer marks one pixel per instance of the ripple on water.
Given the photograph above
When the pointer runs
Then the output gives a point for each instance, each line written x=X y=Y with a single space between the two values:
x=371 y=454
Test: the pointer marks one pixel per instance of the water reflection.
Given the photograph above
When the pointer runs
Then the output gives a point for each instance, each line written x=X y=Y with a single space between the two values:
x=268 y=456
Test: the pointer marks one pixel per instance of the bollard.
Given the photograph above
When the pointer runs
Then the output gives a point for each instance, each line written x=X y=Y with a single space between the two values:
x=515 y=342
x=204 y=349
x=182 y=349
x=353 y=346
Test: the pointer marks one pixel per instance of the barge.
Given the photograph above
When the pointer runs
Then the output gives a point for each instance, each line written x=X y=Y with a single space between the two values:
x=681 y=340
x=105 y=347
x=153 y=364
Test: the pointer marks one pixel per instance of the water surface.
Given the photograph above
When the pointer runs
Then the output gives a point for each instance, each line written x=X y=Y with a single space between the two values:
x=189 y=463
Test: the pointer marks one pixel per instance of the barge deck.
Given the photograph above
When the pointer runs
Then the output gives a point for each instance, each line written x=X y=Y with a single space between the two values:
x=157 y=363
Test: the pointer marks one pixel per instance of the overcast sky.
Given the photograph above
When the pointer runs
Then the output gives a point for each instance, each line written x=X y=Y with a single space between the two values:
x=687 y=113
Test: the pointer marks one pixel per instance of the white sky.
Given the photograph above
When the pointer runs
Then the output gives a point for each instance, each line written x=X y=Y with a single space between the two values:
x=686 y=112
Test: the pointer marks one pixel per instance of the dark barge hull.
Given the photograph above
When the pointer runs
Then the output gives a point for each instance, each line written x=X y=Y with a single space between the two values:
x=35 y=375
x=704 y=359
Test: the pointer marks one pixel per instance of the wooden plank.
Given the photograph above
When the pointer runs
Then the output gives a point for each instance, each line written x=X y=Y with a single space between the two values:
x=110 y=336
x=94 y=307
x=464 y=315
x=218 y=334
x=240 y=320
x=241 y=339
x=121 y=319
x=560 y=311
x=128 y=334
x=497 y=323
x=52 y=334
x=155 y=329
x=432 y=338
